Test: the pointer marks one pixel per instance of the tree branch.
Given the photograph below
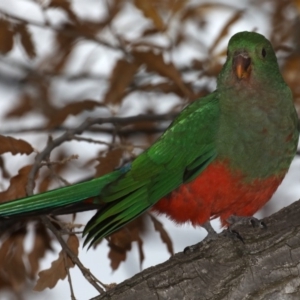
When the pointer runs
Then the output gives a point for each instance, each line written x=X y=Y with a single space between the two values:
x=266 y=266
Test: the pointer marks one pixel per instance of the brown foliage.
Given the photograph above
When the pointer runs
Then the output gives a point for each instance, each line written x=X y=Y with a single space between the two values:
x=14 y=146
x=58 y=270
x=108 y=161
x=42 y=243
x=26 y=39
x=121 y=77
x=11 y=261
x=72 y=109
x=158 y=226
x=6 y=37
x=120 y=242
x=17 y=187
x=155 y=63
x=14 y=271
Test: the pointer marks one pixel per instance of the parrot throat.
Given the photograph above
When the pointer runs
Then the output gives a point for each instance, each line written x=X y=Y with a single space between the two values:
x=217 y=192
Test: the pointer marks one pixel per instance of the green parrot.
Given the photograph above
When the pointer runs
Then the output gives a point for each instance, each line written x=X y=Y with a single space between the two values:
x=225 y=154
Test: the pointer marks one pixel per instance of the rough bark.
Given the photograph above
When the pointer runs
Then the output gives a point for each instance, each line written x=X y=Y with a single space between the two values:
x=265 y=266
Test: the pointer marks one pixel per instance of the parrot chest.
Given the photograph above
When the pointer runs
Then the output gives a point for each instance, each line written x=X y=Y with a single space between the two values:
x=258 y=139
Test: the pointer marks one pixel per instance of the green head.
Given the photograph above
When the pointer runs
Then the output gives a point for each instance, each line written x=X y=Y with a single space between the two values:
x=250 y=60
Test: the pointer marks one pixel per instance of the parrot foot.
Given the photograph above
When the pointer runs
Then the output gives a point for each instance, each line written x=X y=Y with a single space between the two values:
x=211 y=235
x=235 y=221
x=231 y=233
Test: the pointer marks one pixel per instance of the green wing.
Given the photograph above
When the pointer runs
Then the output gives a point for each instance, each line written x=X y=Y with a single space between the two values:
x=177 y=157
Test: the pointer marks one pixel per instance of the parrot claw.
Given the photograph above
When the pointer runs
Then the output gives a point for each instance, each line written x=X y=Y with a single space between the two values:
x=211 y=235
x=235 y=221
x=233 y=233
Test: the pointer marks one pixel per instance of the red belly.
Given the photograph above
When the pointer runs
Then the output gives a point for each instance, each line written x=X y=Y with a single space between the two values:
x=217 y=192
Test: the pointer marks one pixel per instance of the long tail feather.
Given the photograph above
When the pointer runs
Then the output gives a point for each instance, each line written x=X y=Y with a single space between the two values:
x=64 y=200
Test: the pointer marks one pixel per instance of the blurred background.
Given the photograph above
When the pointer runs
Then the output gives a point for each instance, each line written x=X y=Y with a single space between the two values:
x=62 y=62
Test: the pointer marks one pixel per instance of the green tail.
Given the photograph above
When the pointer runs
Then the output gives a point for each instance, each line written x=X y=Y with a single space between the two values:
x=57 y=201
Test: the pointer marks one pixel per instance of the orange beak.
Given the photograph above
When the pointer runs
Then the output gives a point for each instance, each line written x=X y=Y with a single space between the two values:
x=242 y=65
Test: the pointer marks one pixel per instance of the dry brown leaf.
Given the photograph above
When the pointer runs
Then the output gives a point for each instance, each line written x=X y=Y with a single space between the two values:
x=11 y=260
x=155 y=63
x=65 y=40
x=4 y=283
x=89 y=28
x=109 y=162
x=24 y=106
x=177 y=6
x=136 y=228
x=150 y=11
x=120 y=79
x=14 y=146
x=6 y=36
x=49 y=278
x=64 y=5
x=198 y=11
x=120 y=242
x=291 y=74
x=42 y=243
x=64 y=51
x=45 y=181
x=73 y=244
x=17 y=186
x=74 y=109
x=26 y=39
x=150 y=31
x=5 y=173
x=159 y=227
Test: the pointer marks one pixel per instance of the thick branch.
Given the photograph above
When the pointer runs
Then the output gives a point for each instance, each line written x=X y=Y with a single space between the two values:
x=265 y=266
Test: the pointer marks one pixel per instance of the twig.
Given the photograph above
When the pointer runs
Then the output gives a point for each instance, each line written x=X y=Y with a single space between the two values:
x=66 y=225
x=85 y=272
x=50 y=165
x=115 y=120
x=60 y=162
x=69 y=276
x=58 y=177
x=111 y=145
x=98 y=130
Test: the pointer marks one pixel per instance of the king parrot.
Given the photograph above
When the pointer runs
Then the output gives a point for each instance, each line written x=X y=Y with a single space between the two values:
x=225 y=154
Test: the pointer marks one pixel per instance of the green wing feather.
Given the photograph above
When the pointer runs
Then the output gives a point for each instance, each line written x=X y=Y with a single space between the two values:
x=178 y=156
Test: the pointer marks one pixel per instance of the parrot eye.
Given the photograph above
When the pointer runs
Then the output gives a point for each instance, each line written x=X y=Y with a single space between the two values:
x=263 y=52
